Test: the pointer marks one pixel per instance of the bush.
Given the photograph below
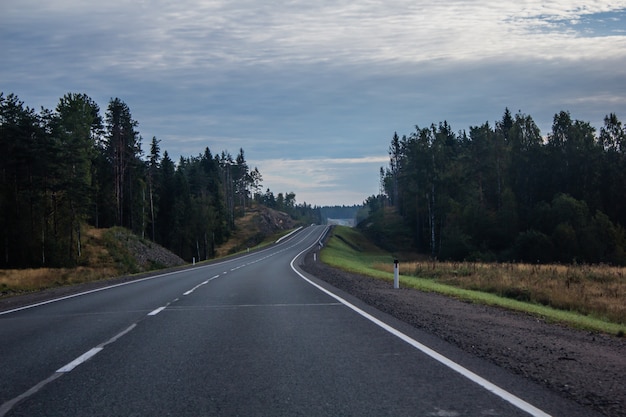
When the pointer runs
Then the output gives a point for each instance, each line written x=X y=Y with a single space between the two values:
x=455 y=245
x=533 y=247
x=566 y=243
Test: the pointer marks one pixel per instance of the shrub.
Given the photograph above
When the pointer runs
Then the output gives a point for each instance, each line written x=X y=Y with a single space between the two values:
x=533 y=247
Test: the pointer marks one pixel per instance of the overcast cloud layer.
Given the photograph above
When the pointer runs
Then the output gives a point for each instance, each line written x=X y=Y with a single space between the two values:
x=314 y=90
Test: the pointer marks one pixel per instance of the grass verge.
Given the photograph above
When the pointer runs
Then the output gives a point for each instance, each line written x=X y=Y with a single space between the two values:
x=349 y=250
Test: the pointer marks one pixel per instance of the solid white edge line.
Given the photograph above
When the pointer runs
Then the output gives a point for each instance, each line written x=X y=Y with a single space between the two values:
x=489 y=386
x=82 y=358
x=67 y=297
x=79 y=294
x=6 y=407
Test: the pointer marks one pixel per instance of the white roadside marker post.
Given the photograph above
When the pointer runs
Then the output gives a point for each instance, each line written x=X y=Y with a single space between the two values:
x=396 y=274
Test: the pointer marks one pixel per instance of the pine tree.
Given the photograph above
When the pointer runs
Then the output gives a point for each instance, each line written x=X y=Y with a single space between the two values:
x=123 y=148
x=152 y=180
x=77 y=126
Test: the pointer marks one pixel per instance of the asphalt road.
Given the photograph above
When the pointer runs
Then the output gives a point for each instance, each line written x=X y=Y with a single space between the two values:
x=245 y=337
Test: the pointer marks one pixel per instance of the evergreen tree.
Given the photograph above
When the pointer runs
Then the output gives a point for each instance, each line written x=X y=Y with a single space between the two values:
x=154 y=166
x=123 y=148
x=503 y=193
x=166 y=220
x=77 y=125
x=24 y=166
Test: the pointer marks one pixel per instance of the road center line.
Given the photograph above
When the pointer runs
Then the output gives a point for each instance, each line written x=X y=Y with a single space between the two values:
x=7 y=406
x=200 y=285
x=82 y=358
x=156 y=311
x=117 y=336
x=132 y=282
x=195 y=288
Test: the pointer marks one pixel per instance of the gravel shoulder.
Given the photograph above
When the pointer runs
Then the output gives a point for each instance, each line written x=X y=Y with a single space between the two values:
x=588 y=368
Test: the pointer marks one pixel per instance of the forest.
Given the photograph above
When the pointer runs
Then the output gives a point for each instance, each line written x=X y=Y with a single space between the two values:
x=506 y=193
x=66 y=168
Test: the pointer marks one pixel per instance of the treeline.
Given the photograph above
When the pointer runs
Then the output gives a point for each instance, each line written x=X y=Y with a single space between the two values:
x=356 y=212
x=61 y=169
x=505 y=193
x=305 y=213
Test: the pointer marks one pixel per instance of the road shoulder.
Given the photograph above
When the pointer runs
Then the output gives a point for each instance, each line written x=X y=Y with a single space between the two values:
x=585 y=367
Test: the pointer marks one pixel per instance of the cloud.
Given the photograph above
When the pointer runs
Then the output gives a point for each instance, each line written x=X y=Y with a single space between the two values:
x=208 y=43
x=316 y=81
x=192 y=36
x=325 y=181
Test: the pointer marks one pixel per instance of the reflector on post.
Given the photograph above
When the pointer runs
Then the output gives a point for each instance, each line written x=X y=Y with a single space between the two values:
x=396 y=274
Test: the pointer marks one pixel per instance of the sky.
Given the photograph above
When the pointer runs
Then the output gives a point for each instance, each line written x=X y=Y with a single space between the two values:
x=313 y=90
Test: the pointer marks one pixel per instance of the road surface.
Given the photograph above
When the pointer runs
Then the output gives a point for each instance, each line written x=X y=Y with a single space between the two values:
x=249 y=336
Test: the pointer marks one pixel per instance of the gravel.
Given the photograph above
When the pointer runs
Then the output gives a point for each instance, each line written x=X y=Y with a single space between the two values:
x=586 y=367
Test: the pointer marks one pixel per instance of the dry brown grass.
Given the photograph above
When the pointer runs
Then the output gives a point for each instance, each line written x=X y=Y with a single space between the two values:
x=595 y=290
x=96 y=263
x=241 y=234
x=15 y=281
x=256 y=227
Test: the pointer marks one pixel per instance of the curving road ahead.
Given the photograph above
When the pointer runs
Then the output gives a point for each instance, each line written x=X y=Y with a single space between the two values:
x=250 y=336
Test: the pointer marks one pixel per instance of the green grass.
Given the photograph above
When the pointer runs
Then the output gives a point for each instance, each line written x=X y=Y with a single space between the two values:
x=347 y=249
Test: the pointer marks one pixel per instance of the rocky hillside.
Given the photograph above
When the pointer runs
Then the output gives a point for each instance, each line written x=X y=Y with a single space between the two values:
x=126 y=252
x=116 y=253
x=258 y=224
x=133 y=254
x=106 y=254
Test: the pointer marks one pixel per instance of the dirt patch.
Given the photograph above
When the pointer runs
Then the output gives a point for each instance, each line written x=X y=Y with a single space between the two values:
x=588 y=368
